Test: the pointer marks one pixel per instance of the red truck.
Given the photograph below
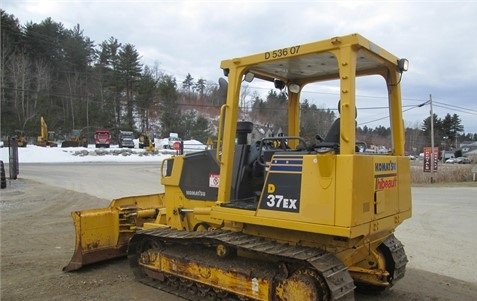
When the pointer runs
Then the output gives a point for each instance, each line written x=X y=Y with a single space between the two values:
x=102 y=138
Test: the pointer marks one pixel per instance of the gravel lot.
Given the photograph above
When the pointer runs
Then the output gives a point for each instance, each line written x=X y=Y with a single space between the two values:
x=37 y=237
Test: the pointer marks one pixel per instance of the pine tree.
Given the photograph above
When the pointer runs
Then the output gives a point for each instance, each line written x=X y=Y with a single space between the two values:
x=130 y=72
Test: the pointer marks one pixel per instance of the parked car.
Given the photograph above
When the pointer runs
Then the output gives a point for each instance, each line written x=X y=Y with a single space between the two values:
x=174 y=142
x=451 y=160
x=462 y=160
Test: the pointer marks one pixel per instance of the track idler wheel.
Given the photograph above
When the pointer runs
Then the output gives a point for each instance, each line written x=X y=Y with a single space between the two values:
x=303 y=284
x=139 y=251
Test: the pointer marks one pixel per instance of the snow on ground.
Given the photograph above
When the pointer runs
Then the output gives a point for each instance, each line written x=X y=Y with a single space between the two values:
x=37 y=154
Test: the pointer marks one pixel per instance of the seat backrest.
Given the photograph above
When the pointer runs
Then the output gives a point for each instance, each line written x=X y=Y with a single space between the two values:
x=333 y=135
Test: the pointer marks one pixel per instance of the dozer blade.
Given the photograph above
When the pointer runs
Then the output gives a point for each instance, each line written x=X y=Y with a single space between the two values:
x=103 y=234
x=70 y=144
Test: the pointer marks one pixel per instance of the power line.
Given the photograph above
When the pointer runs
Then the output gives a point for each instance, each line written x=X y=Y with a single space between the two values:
x=386 y=117
x=455 y=108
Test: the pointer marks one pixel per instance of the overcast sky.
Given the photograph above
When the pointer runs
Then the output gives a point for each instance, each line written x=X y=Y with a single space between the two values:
x=438 y=37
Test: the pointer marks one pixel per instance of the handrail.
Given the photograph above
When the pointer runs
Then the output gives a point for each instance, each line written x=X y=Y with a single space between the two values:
x=219 y=135
x=281 y=145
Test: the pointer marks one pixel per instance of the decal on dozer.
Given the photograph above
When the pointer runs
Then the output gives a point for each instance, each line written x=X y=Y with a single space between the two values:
x=282 y=193
x=385 y=174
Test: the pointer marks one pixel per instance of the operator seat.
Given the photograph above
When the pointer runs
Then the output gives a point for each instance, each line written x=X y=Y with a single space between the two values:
x=333 y=135
x=332 y=138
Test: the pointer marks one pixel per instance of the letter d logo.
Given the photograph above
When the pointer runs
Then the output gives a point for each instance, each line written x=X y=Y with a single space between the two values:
x=271 y=188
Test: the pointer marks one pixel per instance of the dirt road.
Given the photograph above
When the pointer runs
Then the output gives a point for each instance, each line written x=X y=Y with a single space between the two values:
x=37 y=240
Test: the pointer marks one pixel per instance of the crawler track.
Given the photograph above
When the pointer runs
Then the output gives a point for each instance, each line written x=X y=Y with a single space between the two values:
x=335 y=279
x=396 y=258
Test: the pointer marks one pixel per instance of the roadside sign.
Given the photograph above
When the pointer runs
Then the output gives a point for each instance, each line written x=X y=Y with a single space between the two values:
x=427 y=158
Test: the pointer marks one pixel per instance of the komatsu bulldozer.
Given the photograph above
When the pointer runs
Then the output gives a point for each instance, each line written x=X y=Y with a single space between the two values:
x=75 y=139
x=255 y=220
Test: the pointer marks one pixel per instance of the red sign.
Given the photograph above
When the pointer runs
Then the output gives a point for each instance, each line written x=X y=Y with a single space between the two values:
x=214 y=180
x=427 y=158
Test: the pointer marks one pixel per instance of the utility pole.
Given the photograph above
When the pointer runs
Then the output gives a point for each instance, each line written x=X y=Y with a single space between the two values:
x=432 y=139
x=433 y=164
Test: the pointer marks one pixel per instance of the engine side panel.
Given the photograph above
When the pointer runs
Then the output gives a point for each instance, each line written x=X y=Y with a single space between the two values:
x=197 y=176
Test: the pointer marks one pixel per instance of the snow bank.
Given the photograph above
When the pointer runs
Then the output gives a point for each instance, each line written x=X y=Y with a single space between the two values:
x=37 y=154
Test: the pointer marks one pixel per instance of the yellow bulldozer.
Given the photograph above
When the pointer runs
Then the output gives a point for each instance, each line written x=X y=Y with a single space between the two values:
x=146 y=142
x=75 y=139
x=260 y=220
x=19 y=136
